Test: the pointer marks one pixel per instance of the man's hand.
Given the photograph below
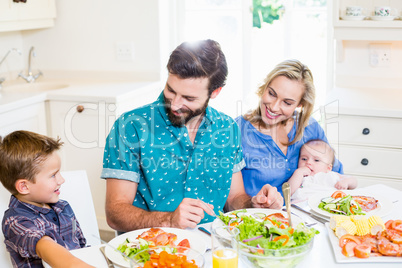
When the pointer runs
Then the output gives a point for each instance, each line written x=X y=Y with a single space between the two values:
x=267 y=197
x=189 y=213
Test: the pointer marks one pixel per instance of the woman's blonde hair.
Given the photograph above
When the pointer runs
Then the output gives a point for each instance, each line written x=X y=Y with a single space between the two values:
x=293 y=70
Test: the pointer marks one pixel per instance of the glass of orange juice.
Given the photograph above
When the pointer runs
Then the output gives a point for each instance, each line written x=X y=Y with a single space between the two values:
x=224 y=247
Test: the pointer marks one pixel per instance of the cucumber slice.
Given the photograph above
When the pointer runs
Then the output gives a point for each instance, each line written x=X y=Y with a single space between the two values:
x=335 y=200
x=330 y=206
x=327 y=199
x=259 y=215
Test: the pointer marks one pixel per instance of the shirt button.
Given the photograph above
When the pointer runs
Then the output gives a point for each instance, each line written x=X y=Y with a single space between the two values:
x=54 y=218
x=288 y=169
x=63 y=238
x=286 y=160
x=189 y=189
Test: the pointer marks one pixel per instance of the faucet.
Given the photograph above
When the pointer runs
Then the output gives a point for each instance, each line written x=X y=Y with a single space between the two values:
x=30 y=78
x=2 y=79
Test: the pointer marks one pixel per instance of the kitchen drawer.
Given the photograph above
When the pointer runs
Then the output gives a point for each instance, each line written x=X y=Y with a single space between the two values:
x=380 y=162
x=361 y=130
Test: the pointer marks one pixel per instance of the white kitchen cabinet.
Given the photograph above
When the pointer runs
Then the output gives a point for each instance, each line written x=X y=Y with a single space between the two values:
x=366 y=29
x=365 y=133
x=82 y=118
x=31 y=118
x=33 y=14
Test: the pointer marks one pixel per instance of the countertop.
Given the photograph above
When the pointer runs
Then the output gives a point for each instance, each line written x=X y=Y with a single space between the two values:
x=16 y=95
x=365 y=102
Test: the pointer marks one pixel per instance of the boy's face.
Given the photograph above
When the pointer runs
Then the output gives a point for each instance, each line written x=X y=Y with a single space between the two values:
x=46 y=189
x=317 y=157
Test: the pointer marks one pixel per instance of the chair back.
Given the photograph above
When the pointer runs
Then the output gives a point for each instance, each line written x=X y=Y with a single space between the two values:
x=76 y=191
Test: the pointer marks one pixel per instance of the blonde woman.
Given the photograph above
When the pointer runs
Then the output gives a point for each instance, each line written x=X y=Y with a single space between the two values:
x=274 y=132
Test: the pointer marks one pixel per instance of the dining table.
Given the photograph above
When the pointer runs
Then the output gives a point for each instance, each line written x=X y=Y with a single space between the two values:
x=321 y=254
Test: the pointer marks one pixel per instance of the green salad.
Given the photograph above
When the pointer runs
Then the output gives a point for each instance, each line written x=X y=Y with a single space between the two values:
x=265 y=231
x=130 y=248
x=343 y=206
x=267 y=240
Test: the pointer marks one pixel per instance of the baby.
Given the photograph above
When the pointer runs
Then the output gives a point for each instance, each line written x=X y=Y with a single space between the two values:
x=37 y=225
x=314 y=172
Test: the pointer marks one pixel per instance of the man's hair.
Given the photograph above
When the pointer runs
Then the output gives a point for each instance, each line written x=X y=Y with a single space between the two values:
x=328 y=148
x=198 y=60
x=21 y=155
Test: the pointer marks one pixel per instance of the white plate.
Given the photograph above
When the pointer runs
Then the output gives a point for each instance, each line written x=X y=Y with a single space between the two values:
x=295 y=219
x=384 y=206
x=353 y=17
x=340 y=258
x=380 y=18
x=196 y=242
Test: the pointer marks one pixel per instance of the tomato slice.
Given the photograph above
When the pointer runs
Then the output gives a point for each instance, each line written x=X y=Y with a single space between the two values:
x=349 y=249
x=362 y=251
x=396 y=223
x=184 y=243
x=348 y=238
x=338 y=194
x=388 y=224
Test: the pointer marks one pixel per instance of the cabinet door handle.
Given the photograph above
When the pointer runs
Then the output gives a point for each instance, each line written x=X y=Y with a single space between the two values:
x=364 y=162
x=366 y=131
x=80 y=108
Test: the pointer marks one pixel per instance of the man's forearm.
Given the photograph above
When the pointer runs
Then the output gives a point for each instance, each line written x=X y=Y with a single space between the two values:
x=125 y=217
x=239 y=202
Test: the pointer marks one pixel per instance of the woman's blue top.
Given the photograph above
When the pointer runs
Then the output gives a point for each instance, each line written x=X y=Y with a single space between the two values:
x=266 y=163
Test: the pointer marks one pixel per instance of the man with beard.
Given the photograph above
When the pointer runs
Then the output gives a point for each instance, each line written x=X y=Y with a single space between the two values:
x=168 y=162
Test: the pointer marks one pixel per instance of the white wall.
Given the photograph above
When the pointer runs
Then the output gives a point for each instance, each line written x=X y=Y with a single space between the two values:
x=356 y=71
x=85 y=35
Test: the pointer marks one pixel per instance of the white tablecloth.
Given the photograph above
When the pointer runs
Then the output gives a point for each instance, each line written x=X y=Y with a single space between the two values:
x=321 y=255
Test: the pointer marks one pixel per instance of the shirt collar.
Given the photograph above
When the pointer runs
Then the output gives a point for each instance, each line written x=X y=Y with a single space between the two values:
x=160 y=102
x=16 y=203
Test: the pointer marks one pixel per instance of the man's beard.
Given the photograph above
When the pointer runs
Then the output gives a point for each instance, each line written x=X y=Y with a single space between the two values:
x=187 y=113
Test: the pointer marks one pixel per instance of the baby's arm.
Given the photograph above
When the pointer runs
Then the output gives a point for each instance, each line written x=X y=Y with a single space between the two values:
x=346 y=182
x=56 y=255
x=297 y=178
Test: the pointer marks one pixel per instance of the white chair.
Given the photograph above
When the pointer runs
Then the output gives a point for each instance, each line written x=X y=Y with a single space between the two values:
x=75 y=191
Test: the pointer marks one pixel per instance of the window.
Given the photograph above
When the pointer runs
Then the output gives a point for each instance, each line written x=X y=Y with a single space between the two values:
x=251 y=53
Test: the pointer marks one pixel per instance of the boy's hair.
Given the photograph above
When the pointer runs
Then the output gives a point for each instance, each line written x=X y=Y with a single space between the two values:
x=21 y=155
x=327 y=147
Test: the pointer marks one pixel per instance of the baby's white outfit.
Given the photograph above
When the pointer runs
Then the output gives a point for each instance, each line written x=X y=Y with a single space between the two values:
x=315 y=184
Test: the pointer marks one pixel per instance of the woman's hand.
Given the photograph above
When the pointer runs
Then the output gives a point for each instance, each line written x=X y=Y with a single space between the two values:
x=267 y=197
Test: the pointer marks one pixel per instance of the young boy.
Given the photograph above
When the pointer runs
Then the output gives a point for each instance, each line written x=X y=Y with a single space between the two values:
x=37 y=225
x=314 y=172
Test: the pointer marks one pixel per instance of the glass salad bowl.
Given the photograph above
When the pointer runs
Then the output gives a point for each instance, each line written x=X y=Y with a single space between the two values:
x=170 y=256
x=273 y=258
x=265 y=238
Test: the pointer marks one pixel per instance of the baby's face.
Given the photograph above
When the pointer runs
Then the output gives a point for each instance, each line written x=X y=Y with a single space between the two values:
x=317 y=157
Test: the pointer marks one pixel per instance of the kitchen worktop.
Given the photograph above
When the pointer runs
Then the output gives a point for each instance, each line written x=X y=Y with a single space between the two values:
x=365 y=102
x=82 y=91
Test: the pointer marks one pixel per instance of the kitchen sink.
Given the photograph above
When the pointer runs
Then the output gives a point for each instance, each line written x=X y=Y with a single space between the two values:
x=33 y=87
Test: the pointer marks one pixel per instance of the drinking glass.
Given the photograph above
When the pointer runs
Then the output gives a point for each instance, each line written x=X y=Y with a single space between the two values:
x=224 y=247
